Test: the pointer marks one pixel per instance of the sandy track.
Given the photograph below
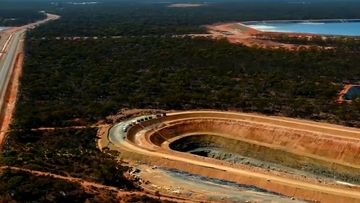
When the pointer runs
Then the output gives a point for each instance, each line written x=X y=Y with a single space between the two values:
x=138 y=141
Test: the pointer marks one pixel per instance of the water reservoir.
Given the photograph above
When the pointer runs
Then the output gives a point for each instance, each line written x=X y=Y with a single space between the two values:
x=326 y=27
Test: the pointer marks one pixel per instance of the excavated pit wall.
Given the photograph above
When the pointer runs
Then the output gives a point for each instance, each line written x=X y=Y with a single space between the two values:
x=237 y=151
x=315 y=152
x=147 y=136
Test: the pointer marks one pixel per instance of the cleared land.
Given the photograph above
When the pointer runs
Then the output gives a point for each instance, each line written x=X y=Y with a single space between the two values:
x=238 y=33
x=314 y=149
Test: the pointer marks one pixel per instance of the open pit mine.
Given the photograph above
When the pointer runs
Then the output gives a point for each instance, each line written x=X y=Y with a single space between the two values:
x=300 y=159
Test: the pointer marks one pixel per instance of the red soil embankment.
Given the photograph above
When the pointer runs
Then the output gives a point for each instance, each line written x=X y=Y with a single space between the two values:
x=238 y=33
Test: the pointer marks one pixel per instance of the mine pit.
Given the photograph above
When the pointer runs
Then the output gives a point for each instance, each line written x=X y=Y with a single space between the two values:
x=303 y=159
x=270 y=147
x=240 y=152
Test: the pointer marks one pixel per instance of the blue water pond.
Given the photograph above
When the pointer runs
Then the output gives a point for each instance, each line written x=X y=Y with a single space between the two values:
x=338 y=27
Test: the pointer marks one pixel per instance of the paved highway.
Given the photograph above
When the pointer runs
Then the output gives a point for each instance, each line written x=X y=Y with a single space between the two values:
x=9 y=49
x=7 y=62
x=11 y=44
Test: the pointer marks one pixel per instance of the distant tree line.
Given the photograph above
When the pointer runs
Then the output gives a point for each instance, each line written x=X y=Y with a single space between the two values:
x=15 y=13
x=138 y=18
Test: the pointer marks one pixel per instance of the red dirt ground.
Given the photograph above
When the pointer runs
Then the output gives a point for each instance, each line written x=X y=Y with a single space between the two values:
x=238 y=33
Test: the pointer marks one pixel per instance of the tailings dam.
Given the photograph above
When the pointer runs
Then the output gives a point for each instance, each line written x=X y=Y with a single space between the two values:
x=304 y=159
x=342 y=27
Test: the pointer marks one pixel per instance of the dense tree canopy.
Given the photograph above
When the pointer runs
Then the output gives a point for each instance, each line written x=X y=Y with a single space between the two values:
x=65 y=152
x=23 y=187
x=90 y=79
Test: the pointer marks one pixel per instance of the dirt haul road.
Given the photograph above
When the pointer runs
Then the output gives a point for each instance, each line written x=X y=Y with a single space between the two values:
x=321 y=144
